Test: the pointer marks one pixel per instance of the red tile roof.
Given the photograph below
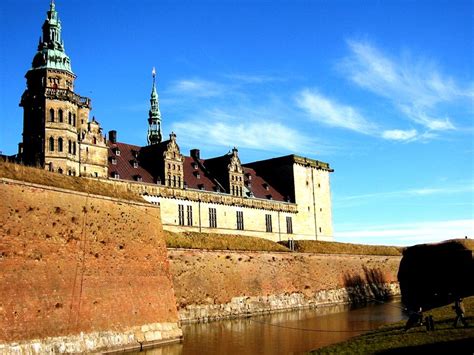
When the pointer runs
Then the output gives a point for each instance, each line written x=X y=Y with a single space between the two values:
x=196 y=175
x=124 y=166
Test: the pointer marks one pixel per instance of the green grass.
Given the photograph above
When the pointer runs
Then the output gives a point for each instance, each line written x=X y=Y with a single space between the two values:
x=194 y=240
x=313 y=246
x=75 y=183
x=394 y=339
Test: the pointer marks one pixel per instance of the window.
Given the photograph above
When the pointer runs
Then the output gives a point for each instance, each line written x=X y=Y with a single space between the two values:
x=268 y=223
x=212 y=218
x=115 y=175
x=60 y=114
x=74 y=148
x=320 y=230
x=51 y=144
x=69 y=120
x=113 y=160
x=60 y=144
x=181 y=215
x=240 y=220
x=51 y=115
x=135 y=164
x=190 y=215
x=95 y=142
x=69 y=149
x=117 y=151
x=74 y=119
x=289 y=225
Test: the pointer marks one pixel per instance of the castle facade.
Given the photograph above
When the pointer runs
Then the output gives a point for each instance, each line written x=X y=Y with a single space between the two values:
x=279 y=199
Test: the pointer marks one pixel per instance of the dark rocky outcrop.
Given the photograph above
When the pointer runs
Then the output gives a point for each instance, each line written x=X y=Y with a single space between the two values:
x=433 y=274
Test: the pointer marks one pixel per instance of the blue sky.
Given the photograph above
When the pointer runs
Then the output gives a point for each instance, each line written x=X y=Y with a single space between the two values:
x=382 y=90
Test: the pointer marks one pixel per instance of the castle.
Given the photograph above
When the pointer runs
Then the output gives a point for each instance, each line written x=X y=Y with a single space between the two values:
x=279 y=199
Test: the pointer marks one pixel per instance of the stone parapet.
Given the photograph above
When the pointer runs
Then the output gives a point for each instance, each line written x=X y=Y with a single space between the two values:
x=134 y=338
x=252 y=305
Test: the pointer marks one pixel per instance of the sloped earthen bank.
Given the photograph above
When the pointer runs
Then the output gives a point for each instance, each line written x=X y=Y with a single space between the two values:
x=211 y=285
x=81 y=273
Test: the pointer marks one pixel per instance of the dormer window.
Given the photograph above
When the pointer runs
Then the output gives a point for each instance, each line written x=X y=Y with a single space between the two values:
x=194 y=165
x=201 y=186
x=266 y=187
x=134 y=153
x=249 y=177
x=158 y=180
x=117 y=151
x=138 y=178
x=113 y=160
x=115 y=175
x=135 y=164
x=270 y=197
x=185 y=185
x=197 y=175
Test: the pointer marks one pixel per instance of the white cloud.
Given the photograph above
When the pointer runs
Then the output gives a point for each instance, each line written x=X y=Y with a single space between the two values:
x=331 y=113
x=399 y=135
x=413 y=192
x=220 y=128
x=197 y=88
x=407 y=233
x=416 y=88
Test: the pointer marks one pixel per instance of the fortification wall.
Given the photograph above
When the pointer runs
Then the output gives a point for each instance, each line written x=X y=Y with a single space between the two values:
x=218 y=284
x=80 y=273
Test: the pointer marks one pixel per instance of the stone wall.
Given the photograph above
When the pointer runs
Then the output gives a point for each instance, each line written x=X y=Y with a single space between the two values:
x=86 y=271
x=217 y=284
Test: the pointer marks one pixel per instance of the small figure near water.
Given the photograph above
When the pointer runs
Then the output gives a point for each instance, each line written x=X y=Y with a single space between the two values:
x=415 y=319
x=459 y=309
x=429 y=323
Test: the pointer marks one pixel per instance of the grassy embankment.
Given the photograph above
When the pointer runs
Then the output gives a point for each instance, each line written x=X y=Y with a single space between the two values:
x=312 y=246
x=188 y=239
x=394 y=339
x=75 y=183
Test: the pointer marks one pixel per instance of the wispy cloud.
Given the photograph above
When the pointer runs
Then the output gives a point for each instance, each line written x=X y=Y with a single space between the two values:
x=331 y=113
x=197 y=88
x=400 y=135
x=415 y=87
x=224 y=129
x=413 y=192
x=407 y=233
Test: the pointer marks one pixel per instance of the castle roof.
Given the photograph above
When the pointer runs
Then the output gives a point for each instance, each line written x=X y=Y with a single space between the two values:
x=126 y=163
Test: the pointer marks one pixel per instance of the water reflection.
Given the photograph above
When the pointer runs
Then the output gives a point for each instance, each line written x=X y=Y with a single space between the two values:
x=282 y=333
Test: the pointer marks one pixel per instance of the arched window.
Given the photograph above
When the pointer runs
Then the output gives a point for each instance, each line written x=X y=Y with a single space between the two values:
x=95 y=140
x=60 y=170
x=60 y=144
x=51 y=144
x=69 y=119
x=51 y=115
x=60 y=114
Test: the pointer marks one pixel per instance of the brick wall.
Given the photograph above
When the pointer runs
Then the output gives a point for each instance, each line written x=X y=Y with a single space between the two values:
x=205 y=279
x=72 y=263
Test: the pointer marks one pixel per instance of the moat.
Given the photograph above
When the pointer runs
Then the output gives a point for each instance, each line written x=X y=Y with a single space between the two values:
x=283 y=333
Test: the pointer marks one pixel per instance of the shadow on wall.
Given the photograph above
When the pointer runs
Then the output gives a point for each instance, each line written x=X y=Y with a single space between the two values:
x=365 y=289
x=432 y=275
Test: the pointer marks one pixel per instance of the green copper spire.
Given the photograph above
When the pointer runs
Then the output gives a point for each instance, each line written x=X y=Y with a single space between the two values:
x=154 y=116
x=51 y=54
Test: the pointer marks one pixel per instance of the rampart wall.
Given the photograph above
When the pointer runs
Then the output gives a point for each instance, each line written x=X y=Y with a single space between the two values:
x=219 y=284
x=81 y=273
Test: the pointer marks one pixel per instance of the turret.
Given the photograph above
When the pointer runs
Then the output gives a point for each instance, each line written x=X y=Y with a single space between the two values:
x=154 y=116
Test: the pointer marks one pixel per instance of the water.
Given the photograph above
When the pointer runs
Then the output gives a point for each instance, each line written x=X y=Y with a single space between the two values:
x=282 y=333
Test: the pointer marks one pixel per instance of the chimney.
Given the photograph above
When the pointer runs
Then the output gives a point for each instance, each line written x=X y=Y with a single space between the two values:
x=113 y=137
x=195 y=154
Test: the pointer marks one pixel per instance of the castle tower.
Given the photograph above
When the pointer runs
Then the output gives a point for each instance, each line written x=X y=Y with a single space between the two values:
x=54 y=116
x=154 y=116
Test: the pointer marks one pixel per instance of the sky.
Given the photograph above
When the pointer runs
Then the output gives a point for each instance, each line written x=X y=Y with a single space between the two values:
x=381 y=90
